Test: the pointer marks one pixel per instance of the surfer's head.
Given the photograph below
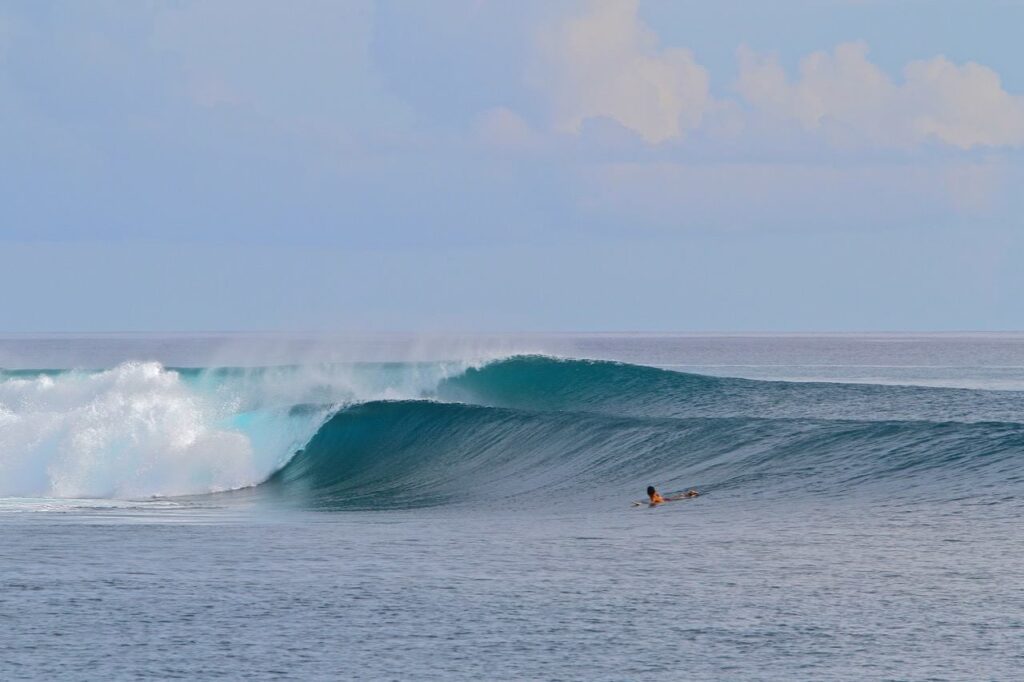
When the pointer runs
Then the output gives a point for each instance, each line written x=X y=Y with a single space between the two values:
x=651 y=491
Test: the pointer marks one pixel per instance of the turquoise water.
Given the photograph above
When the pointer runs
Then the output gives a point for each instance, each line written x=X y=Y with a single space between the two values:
x=464 y=517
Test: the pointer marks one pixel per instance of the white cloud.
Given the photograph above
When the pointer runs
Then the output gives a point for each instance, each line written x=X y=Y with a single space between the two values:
x=607 y=63
x=848 y=99
x=964 y=106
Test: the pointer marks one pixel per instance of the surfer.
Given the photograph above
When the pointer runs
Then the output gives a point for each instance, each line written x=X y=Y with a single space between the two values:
x=655 y=497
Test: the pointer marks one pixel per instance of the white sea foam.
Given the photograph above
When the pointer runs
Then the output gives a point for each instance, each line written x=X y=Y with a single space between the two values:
x=135 y=430
x=141 y=430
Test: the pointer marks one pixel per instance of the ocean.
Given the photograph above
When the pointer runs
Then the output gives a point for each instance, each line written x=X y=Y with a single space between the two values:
x=395 y=507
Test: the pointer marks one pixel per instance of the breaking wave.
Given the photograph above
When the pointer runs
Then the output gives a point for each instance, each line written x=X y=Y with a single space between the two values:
x=512 y=431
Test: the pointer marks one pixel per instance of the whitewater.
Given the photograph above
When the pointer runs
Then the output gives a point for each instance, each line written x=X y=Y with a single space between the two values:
x=141 y=430
x=860 y=507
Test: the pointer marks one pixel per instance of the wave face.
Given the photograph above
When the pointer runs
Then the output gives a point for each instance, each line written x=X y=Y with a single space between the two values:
x=538 y=428
x=519 y=431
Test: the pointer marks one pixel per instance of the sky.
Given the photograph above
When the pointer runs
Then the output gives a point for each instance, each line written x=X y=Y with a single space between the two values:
x=484 y=165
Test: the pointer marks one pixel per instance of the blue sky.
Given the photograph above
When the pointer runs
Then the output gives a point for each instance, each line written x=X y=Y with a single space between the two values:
x=483 y=165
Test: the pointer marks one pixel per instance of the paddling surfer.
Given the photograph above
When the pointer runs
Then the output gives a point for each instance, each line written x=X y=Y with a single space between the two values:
x=655 y=497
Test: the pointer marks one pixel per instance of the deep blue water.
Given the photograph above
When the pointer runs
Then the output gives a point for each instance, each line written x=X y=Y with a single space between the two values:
x=211 y=508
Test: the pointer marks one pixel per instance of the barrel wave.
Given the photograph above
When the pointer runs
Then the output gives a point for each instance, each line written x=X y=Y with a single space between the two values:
x=521 y=431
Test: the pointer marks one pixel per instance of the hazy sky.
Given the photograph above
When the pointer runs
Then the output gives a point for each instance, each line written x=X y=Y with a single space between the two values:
x=495 y=165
